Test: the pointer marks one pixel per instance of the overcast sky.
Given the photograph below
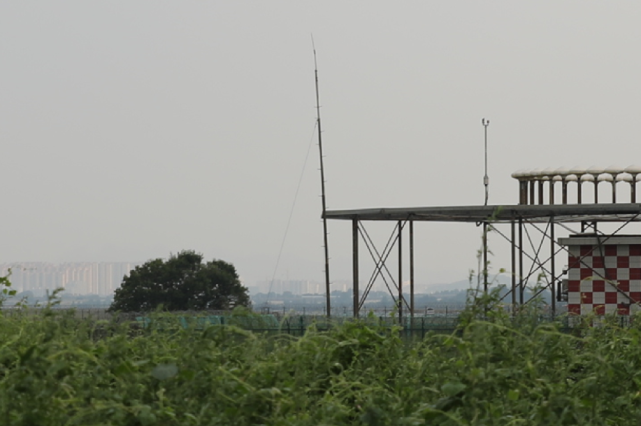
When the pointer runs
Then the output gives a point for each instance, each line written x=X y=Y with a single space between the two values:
x=133 y=129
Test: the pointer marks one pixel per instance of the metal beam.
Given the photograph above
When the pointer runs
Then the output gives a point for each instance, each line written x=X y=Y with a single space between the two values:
x=541 y=192
x=485 y=283
x=523 y=192
x=412 y=268
x=532 y=197
x=552 y=266
x=400 y=272
x=513 y=242
x=520 y=261
x=498 y=214
x=562 y=215
x=379 y=262
x=355 y=266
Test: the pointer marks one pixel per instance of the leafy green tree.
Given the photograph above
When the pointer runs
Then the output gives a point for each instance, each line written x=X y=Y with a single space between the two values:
x=183 y=282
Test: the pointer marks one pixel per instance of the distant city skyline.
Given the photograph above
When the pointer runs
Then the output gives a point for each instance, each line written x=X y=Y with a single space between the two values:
x=103 y=278
x=76 y=278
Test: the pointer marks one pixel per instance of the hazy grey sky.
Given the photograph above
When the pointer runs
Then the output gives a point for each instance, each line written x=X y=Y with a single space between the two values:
x=132 y=129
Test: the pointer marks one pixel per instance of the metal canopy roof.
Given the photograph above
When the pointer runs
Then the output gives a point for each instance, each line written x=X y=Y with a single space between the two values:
x=506 y=213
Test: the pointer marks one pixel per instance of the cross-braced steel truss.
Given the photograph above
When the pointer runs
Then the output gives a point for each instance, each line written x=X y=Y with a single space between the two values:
x=531 y=235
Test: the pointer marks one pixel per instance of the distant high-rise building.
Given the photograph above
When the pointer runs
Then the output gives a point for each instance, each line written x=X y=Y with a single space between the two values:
x=101 y=278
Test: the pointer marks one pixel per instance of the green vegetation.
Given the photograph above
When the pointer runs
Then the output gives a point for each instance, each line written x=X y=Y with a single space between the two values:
x=183 y=282
x=493 y=370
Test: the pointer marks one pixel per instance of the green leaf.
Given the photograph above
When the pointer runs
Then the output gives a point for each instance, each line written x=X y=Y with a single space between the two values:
x=164 y=371
x=453 y=388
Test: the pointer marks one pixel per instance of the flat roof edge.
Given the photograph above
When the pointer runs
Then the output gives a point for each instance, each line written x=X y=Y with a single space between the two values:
x=579 y=240
x=566 y=212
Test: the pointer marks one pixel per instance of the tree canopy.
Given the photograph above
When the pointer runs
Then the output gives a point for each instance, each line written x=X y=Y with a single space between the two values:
x=183 y=282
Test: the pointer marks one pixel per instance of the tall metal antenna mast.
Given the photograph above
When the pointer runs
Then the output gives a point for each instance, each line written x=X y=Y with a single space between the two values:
x=486 y=179
x=486 y=182
x=322 y=171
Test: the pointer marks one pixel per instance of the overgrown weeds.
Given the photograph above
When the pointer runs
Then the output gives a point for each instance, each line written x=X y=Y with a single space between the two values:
x=56 y=370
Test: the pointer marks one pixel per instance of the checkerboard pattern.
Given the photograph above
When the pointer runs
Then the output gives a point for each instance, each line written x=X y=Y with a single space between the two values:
x=604 y=280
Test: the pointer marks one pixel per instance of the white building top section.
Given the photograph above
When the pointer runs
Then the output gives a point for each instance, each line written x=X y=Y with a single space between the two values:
x=591 y=240
x=610 y=173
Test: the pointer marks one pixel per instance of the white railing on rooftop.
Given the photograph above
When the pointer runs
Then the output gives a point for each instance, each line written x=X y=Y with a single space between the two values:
x=533 y=183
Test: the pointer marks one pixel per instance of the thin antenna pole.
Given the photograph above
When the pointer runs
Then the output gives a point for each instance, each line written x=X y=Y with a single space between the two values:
x=486 y=183
x=322 y=171
x=486 y=179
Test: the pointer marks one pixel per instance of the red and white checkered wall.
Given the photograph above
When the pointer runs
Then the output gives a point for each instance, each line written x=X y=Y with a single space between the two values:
x=604 y=279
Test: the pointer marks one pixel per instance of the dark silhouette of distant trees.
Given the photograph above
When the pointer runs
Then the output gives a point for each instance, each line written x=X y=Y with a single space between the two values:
x=183 y=282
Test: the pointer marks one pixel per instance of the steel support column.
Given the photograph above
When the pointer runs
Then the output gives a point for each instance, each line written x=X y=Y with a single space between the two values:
x=520 y=261
x=513 y=229
x=614 y=192
x=356 y=295
x=412 y=268
x=523 y=195
x=540 y=192
x=552 y=267
x=485 y=284
x=400 y=272
x=580 y=193
x=532 y=186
